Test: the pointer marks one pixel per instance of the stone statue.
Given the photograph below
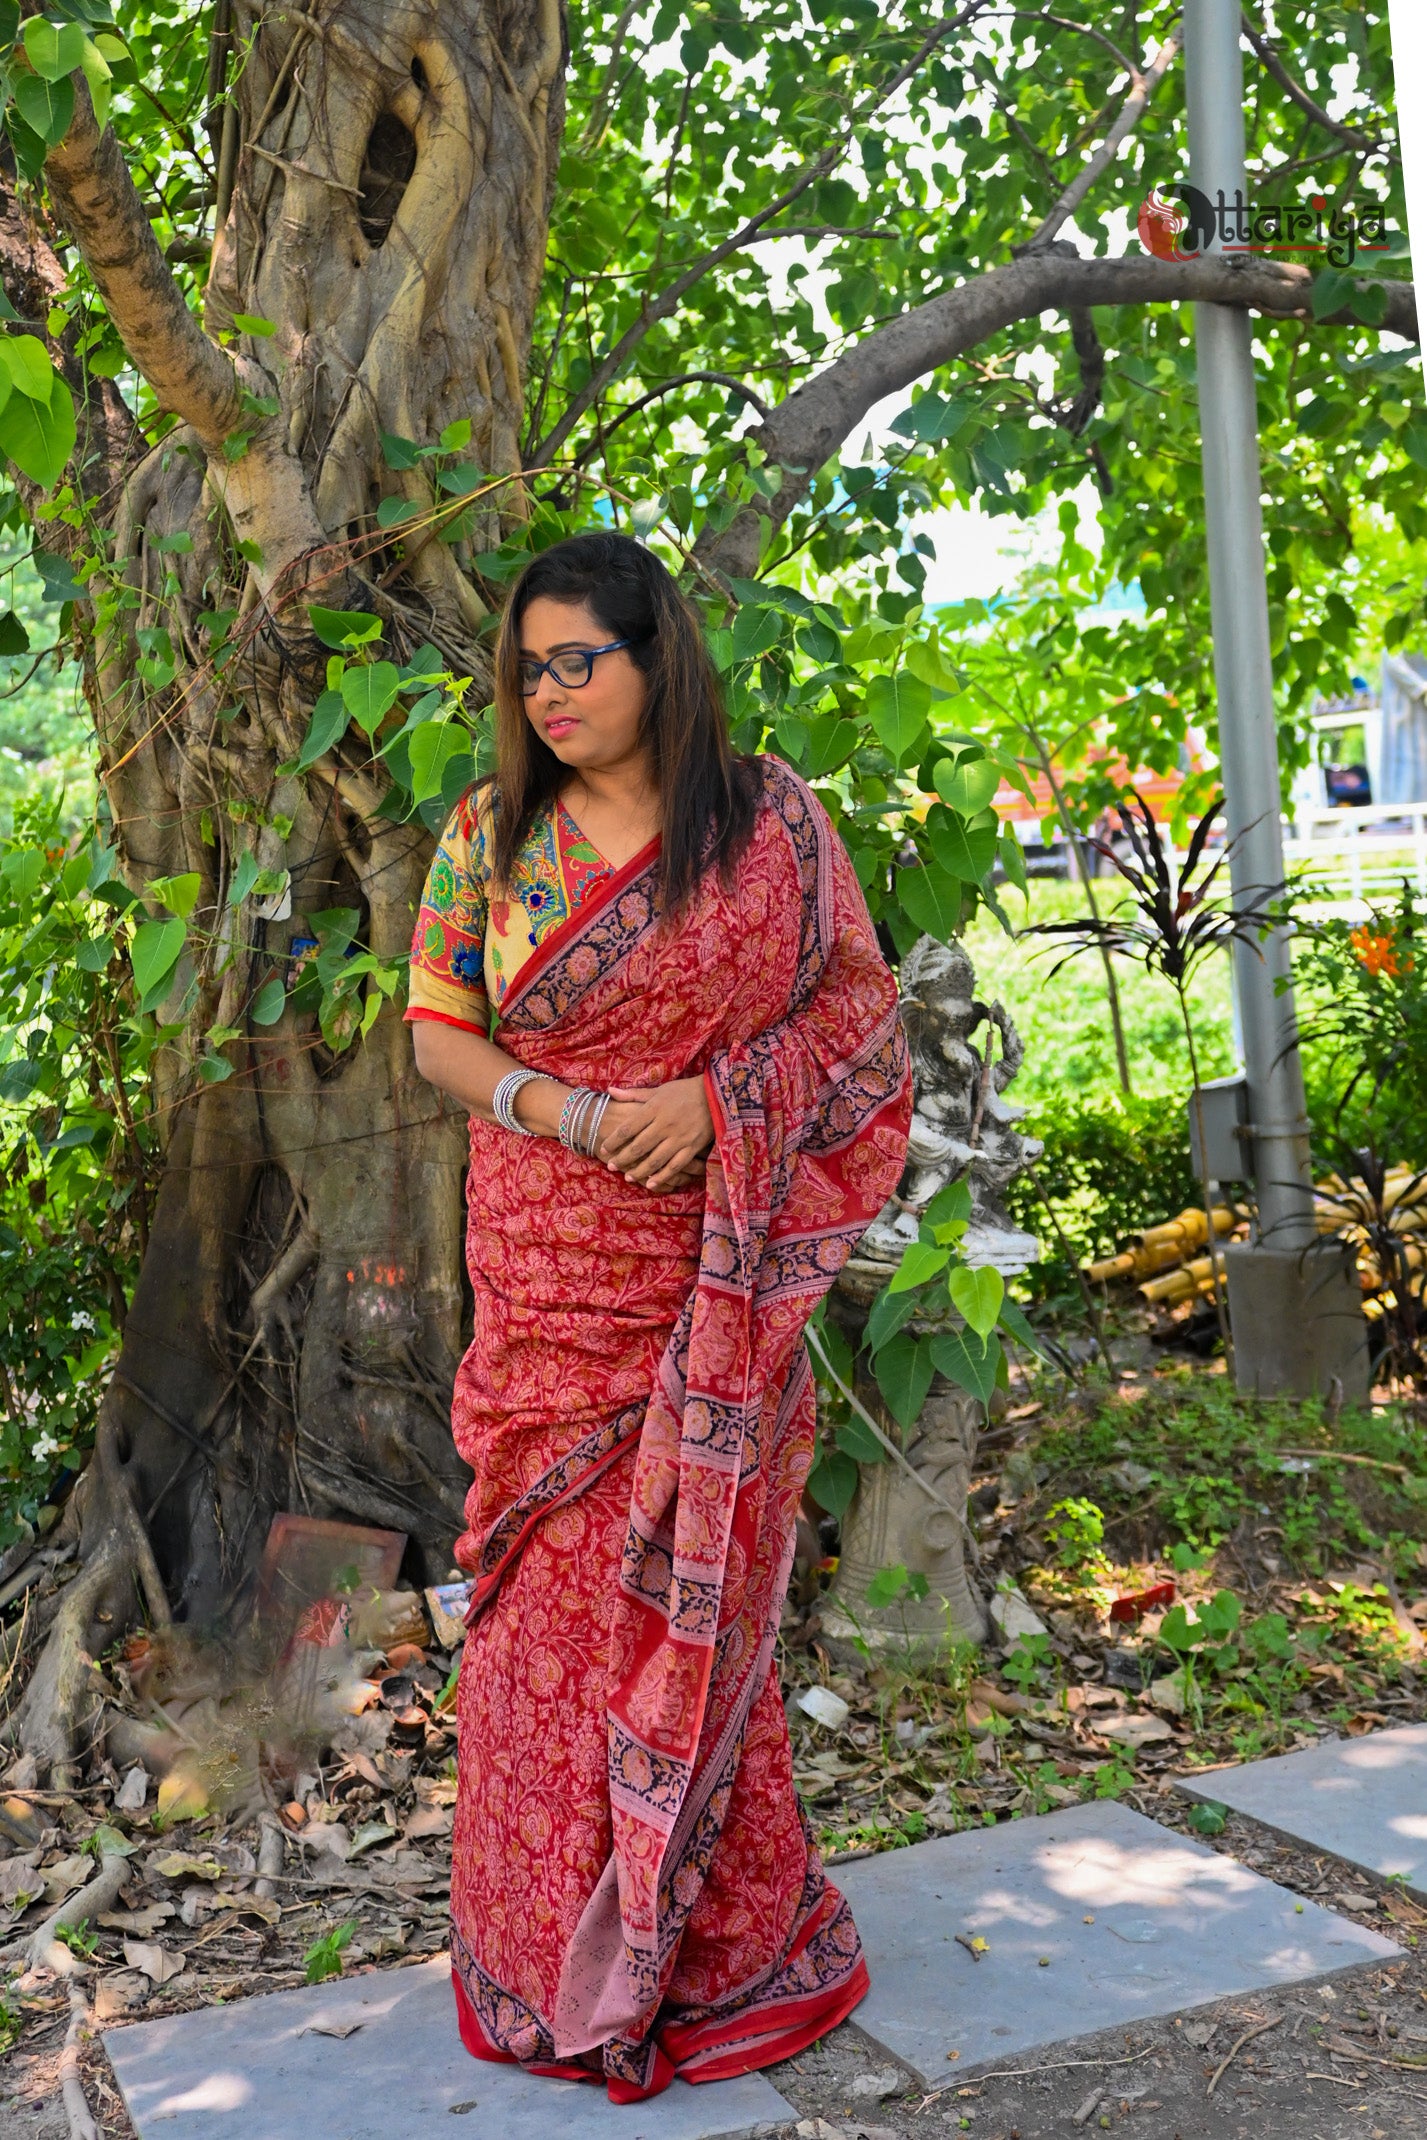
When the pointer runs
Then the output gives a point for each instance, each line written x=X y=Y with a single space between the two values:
x=963 y=1127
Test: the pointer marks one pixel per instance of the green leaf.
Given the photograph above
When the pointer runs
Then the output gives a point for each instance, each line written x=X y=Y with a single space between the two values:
x=1012 y=859
x=831 y=742
x=968 y=1361
x=950 y=1206
x=755 y=631
x=832 y=1482
x=178 y=894
x=14 y=639
x=889 y=1311
x=391 y=512
x=267 y=1005
x=978 y=1295
x=59 y=582
x=370 y=693
x=30 y=148
x=251 y=323
x=244 y=877
x=1331 y=291
x=435 y=747
x=964 y=850
x=857 y=1439
x=399 y=453
x=39 y=439
x=931 y=899
x=28 y=363
x=53 y=50
x=155 y=952
x=897 y=707
x=967 y=786
x=330 y=716
x=921 y=1261
x=344 y=628
x=214 y=1068
x=886 y=1586
x=1013 y=1318
x=45 y=107
x=904 y=1369
x=19 y=1079
x=1208 y=1817
x=100 y=77
x=456 y=435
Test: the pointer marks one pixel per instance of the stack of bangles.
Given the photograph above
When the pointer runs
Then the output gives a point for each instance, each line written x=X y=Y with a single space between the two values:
x=580 y=1118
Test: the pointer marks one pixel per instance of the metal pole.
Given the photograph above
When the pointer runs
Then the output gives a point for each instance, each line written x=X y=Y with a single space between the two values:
x=1243 y=670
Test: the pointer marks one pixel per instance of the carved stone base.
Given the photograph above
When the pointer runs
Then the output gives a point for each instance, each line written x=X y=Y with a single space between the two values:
x=892 y=1522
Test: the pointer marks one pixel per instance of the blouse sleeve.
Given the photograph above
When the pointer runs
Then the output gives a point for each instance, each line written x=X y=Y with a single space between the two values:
x=447 y=980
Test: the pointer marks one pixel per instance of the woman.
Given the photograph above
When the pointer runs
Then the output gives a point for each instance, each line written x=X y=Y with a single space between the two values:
x=695 y=1101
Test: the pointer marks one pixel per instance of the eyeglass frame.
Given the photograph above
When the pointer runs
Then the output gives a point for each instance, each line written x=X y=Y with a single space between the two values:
x=588 y=654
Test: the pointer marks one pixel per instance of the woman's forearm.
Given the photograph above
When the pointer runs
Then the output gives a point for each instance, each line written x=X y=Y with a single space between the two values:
x=469 y=1068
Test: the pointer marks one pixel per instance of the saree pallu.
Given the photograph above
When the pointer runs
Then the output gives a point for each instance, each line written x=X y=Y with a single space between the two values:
x=634 y=1889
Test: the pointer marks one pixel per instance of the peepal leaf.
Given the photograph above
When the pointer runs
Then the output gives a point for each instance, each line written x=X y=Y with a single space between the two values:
x=434 y=747
x=39 y=436
x=327 y=727
x=978 y=1295
x=968 y=1361
x=370 y=693
x=904 y=1369
x=931 y=899
x=155 y=952
x=921 y=1261
x=897 y=707
x=53 y=49
x=967 y=786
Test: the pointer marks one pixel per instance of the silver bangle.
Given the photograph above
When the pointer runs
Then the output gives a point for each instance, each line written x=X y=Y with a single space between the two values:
x=503 y=1099
x=592 y=1142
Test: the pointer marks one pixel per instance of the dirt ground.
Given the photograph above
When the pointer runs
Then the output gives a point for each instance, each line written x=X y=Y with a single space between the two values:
x=1346 y=2057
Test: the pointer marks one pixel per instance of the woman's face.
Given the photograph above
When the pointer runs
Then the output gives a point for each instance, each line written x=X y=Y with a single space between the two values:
x=593 y=725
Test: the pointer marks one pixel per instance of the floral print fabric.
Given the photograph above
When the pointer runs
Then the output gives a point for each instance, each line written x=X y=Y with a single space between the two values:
x=469 y=946
x=634 y=1893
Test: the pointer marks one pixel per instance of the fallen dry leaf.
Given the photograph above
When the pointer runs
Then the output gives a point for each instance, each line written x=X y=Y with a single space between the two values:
x=137 y=1923
x=157 y=1963
x=1134 y=1731
x=178 y=1865
x=428 y=1820
x=331 y=2027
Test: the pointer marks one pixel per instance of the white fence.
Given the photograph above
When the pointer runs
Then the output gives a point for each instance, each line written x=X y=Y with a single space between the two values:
x=1358 y=856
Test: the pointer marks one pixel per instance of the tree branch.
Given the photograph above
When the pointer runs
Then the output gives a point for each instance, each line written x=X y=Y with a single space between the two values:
x=1142 y=88
x=668 y=300
x=668 y=386
x=95 y=198
x=806 y=429
x=1299 y=95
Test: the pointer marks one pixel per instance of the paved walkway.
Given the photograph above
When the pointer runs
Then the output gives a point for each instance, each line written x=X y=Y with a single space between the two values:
x=981 y=1945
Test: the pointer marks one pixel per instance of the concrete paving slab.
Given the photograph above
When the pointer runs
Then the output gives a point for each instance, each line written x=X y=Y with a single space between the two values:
x=1092 y=1918
x=1363 y=1799
x=255 y=2070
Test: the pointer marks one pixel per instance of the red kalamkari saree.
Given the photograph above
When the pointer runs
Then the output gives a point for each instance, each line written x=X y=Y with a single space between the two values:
x=634 y=1890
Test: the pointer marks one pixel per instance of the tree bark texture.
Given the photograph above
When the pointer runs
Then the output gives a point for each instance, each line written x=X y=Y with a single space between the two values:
x=298 y=1316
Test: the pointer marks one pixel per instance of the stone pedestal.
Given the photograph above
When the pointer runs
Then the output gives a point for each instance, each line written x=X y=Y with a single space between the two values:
x=891 y=1521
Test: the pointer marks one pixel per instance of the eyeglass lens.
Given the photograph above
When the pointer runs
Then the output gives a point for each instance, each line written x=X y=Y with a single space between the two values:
x=573 y=668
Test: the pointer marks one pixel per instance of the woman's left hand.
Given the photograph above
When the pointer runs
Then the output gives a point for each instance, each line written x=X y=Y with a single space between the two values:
x=657 y=1135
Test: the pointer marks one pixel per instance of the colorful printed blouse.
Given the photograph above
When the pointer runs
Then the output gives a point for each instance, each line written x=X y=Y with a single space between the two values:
x=469 y=947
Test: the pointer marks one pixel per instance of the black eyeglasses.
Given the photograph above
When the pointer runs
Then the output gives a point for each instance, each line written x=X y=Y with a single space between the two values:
x=573 y=668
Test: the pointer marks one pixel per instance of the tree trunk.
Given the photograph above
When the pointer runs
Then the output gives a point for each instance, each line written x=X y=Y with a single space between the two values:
x=298 y=1315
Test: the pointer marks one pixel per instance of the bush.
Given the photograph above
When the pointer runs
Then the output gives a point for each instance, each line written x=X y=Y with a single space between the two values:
x=1111 y=1166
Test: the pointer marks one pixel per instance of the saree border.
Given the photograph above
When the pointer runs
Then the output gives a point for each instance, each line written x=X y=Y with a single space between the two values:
x=579 y=922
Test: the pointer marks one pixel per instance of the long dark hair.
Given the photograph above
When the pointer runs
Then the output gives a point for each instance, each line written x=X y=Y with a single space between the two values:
x=708 y=795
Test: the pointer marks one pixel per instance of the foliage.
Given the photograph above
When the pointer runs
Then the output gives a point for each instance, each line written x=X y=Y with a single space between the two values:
x=323 y=1958
x=1368 y=982
x=1111 y=1164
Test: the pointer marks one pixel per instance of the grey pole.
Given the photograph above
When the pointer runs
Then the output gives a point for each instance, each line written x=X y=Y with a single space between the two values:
x=1243 y=670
